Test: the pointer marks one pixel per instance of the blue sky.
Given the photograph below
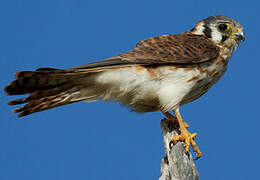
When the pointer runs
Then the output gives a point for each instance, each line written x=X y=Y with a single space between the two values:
x=104 y=140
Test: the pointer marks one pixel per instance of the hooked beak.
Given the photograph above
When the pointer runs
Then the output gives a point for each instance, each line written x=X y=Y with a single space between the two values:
x=239 y=35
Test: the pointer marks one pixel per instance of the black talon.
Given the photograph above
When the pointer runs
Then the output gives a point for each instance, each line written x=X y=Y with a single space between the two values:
x=171 y=144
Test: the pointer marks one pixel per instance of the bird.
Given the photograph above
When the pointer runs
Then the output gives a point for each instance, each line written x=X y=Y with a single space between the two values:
x=161 y=73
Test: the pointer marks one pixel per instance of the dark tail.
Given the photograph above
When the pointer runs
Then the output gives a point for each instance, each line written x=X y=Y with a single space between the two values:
x=48 y=88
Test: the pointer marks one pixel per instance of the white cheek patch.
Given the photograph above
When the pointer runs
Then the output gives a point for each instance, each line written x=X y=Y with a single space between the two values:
x=216 y=36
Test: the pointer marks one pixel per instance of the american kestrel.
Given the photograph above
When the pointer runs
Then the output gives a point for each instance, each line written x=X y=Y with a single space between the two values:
x=160 y=74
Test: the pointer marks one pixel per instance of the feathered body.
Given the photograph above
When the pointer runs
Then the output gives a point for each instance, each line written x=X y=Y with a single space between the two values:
x=160 y=74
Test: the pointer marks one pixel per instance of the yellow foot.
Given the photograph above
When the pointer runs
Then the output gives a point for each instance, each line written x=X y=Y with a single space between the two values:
x=188 y=139
x=173 y=118
x=185 y=135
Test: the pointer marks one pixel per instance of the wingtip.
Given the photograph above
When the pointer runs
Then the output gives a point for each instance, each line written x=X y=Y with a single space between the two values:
x=17 y=110
x=19 y=115
x=18 y=101
x=23 y=113
x=20 y=112
x=12 y=88
x=16 y=75
x=7 y=90
x=11 y=103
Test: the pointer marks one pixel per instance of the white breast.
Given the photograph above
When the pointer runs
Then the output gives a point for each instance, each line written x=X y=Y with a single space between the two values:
x=174 y=86
x=133 y=87
x=128 y=85
x=163 y=89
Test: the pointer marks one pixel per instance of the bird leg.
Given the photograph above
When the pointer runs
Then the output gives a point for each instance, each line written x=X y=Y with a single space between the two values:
x=185 y=135
x=174 y=119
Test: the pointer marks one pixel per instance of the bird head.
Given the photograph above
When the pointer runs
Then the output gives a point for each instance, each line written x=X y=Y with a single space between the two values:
x=221 y=30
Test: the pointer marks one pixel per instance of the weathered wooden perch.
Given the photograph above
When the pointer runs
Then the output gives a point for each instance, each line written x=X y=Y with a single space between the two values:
x=177 y=165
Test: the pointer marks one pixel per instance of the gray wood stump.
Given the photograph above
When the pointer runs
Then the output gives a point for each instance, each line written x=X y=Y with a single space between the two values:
x=177 y=165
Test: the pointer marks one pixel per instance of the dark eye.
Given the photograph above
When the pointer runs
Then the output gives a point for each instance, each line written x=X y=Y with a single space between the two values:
x=223 y=27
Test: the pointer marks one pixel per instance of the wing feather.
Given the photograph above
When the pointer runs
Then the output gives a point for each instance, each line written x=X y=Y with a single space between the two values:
x=165 y=49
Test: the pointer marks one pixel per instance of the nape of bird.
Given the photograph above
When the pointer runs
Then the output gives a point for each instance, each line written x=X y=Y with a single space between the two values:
x=160 y=74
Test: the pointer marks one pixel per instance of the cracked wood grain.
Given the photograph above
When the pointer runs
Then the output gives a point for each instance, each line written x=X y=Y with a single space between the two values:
x=177 y=165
